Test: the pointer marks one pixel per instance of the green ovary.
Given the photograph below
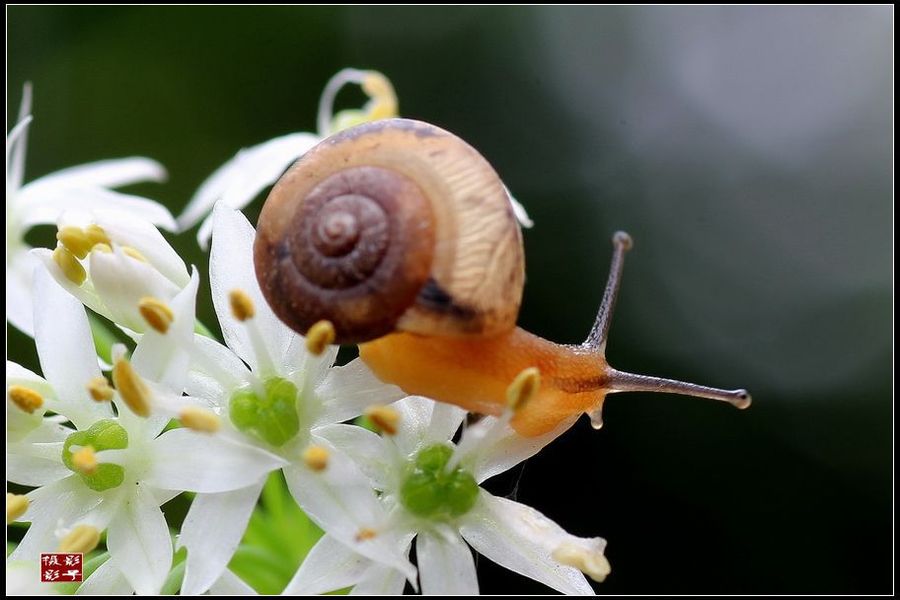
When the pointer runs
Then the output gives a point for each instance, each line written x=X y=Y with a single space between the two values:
x=430 y=491
x=273 y=418
x=102 y=435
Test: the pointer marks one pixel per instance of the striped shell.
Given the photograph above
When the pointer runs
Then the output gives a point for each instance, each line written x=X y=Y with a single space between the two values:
x=393 y=225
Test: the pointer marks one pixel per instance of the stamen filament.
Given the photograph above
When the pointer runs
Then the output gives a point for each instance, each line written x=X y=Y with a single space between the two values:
x=25 y=398
x=200 y=419
x=384 y=418
x=75 y=240
x=83 y=538
x=96 y=235
x=131 y=388
x=16 y=505
x=316 y=458
x=134 y=253
x=69 y=265
x=319 y=337
x=100 y=390
x=523 y=388
x=157 y=313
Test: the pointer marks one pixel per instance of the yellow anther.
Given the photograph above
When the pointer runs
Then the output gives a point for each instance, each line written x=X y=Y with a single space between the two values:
x=85 y=460
x=96 y=235
x=99 y=389
x=384 y=418
x=16 y=505
x=384 y=100
x=75 y=239
x=523 y=388
x=319 y=337
x=133 y=253
x=241 y=305
x=69 y=265
x=366 y=533
x=200 y=419
x=316 y=458
x=82 y=538
x=157 y=313
x=101 y=247
x=590 y=562
x=25 y=398
x=131 y=388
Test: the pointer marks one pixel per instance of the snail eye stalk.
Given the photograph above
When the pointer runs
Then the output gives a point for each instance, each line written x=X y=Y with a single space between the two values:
x=620 y=381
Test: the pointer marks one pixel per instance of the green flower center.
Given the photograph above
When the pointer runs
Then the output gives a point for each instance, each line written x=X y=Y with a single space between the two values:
x=102 y=435
x=272 y=418
x=431 y=491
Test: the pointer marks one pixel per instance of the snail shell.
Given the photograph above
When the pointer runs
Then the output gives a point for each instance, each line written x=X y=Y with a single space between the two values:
x=393 y=225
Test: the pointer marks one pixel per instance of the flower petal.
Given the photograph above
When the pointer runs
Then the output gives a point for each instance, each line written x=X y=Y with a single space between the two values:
x=216 y=372
x=16 y=374
x=42 y=205
x=371 y=452
x=64 y=501
x=347 y=391
x=424 y=421
x=107 y=580
x=523 y=540
x=164 y=357
x=381 y=581
x=131 y=230
x=231 y=268
x=17 y=142
x=85 y=293
x=210 y=548
x=499 y=453
x=37 y=463
x=446 y=565
x=230 y=584
x=23 y=578
x=121 y=281
x=19 y=298
x=519 y=211
x=139 y=543
x=198 y=462
x=329 y=566
x=341 y=501
x=111 y=173
x=66 y=351
x=239 y=180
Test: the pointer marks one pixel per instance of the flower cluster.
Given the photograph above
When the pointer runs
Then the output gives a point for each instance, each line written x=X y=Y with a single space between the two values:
x=105 y=436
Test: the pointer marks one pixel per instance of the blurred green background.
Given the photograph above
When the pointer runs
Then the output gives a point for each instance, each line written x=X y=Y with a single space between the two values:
x=748 y=151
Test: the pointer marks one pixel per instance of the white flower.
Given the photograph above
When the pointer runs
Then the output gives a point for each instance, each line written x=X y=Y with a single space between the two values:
x=117 y=470
x=111 y=261
x=276 y=395
x=76 y=189
x=430 y=488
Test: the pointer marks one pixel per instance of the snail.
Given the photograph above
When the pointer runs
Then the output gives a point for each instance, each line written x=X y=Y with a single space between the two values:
x=403 y=237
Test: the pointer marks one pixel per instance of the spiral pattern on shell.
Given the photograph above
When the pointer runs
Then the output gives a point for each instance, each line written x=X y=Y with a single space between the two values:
x=356 y=251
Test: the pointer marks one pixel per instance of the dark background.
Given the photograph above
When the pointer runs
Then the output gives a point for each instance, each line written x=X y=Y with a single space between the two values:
x=747 y=150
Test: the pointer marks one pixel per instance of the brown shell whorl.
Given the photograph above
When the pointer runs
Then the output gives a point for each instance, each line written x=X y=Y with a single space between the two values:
x=356 y=251
x=393 y=225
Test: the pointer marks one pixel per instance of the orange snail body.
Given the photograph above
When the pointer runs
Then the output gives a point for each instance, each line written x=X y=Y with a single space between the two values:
x=474 y=373
x=403 y=237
